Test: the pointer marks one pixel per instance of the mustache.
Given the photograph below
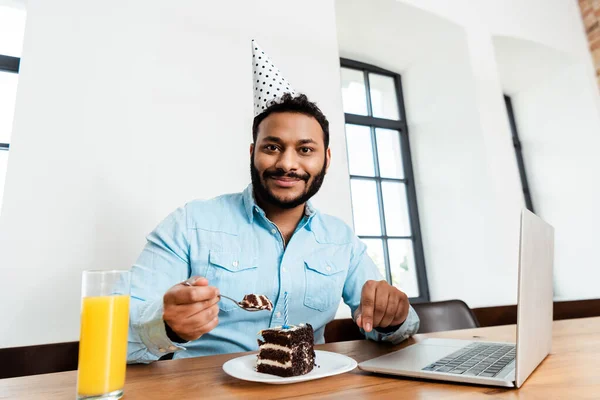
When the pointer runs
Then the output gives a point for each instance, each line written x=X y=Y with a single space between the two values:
x=281 y=173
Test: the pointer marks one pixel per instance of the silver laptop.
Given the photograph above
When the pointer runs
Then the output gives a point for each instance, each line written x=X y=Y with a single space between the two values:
x=491 y=363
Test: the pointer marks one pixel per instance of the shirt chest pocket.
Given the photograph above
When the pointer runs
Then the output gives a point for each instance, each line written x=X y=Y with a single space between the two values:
x=233 y=274
x=324 y=283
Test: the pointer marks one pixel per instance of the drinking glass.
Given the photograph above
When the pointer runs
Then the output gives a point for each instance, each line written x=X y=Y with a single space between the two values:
x=103 y=334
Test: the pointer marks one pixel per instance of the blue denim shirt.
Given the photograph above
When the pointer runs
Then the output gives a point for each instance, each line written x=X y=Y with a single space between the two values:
x=230 y=241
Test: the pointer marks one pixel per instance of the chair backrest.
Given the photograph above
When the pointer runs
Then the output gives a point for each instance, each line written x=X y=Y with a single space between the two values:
x=38 y=359
x=42 y=359
x=342 y=330
x=438 y=316
x=445 y=316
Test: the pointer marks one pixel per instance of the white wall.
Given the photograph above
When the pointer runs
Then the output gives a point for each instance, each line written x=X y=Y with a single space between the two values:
x=127 y=110
x=558 y=118
x=457 y=59
x=18 y=4
x=558 y=127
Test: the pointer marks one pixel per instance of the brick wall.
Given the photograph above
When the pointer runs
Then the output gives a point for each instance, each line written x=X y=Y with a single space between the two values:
x=590 y=11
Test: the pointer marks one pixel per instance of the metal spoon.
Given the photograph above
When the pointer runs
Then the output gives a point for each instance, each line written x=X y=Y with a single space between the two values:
x=237 y=303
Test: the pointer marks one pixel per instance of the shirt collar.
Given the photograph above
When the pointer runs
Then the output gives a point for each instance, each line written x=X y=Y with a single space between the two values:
x=249 y=203
x=250 y=206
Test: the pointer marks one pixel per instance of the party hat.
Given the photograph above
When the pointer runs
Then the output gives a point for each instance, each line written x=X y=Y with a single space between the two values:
x=269 y=84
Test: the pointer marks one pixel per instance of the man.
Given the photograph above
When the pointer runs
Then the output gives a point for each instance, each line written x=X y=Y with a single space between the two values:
x=267 y=240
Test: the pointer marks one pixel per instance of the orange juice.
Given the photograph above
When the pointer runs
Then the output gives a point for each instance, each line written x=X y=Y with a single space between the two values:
x=103 y=344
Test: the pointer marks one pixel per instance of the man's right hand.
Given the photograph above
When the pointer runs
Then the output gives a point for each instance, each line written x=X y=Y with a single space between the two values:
x=191 y=311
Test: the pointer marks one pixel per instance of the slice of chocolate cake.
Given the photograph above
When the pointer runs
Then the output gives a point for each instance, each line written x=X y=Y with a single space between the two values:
x=286 y=351
x=258 y=302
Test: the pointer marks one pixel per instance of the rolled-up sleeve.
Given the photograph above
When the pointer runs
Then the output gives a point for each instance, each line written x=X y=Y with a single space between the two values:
x=164 y=261
x=362 y=269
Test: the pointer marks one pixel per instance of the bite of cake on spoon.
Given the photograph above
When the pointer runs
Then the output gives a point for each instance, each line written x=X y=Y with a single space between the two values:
x=257 y=302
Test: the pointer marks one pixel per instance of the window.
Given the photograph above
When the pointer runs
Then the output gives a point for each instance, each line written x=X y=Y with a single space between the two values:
x=12 y=27
x=384 y=201
x=518 y=153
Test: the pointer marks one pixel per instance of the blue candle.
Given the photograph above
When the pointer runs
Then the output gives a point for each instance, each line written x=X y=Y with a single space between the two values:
x=285 y=311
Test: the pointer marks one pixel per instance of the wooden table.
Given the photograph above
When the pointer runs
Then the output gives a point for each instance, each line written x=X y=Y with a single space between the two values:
x=571 y=371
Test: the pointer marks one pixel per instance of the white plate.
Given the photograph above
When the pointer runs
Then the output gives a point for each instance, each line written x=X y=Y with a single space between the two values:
x=328 y=364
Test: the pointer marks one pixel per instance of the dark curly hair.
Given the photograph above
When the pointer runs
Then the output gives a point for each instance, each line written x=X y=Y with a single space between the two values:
x=298 y=104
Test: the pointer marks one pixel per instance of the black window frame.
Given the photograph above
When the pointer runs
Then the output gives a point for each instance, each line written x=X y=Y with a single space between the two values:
x=400 y=126
x=8 y=64
x=518 y=153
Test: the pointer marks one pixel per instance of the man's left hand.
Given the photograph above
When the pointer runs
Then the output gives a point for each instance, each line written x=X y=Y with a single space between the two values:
x=381 y=306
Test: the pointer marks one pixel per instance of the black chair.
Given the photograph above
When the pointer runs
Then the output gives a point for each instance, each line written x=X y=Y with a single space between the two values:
x=42 y=359
x=38 y=359
x=435 y=317
x=342 y=330
x=445 y=316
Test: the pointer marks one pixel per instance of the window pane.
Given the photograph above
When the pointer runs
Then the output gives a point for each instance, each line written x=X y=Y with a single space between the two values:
x=354 y=95
x=395 y=207
x=365 y=207
x=375 y=251
x=402 y=266
x=360 y=150
x=388 y=151
x=3 y=164
x=12 y=28
x=8 y=93
x=384 y=101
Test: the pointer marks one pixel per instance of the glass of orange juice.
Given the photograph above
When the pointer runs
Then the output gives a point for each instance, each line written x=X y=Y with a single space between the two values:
x=103 y=334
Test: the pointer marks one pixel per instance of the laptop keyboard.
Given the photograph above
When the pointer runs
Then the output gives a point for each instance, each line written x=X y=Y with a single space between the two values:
x=476 y=359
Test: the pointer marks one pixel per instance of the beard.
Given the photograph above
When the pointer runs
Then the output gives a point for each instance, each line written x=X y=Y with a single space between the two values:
x=262 y=192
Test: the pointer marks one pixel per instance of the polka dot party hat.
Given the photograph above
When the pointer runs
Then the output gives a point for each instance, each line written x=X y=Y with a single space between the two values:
x=269 y=84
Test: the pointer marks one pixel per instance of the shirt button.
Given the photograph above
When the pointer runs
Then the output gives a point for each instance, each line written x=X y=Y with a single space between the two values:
x=328 y=268
x=172 y=348
x=161 y=350
x=278 y=314
x=273 y=231
x=235 y=263
x=283 y=269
